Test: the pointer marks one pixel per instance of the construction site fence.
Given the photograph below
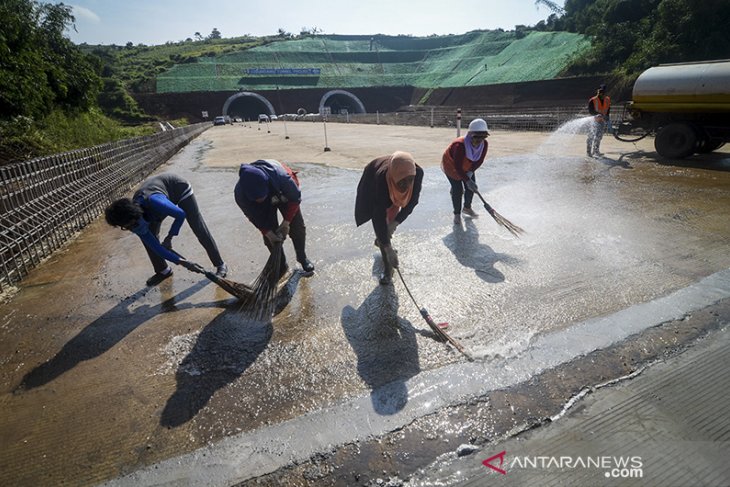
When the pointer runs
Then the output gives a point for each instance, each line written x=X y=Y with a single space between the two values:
x=499 y=118
x=44 y=202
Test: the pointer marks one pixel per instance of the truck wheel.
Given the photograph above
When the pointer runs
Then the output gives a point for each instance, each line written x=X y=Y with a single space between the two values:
x=705 y=146
x=675 y=141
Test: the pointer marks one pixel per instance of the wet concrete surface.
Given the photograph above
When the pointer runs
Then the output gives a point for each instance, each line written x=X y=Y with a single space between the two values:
x=447 y=448
x=101 y=376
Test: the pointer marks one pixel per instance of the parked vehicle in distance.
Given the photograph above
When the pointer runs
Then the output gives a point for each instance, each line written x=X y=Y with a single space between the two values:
x=263 y=118
x=219 y=120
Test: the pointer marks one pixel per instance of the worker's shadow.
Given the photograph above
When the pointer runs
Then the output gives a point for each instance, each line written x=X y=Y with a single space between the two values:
x=223 y=351
x=386 y=348
x=463 y=242
x=622 y=161
x=103 y=333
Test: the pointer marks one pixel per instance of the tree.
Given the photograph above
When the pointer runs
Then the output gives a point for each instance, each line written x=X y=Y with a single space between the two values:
x=214 y=34
x=40 y=69
x=554 y=7
x=307 y=31
x=198 y=36
x=629 y=36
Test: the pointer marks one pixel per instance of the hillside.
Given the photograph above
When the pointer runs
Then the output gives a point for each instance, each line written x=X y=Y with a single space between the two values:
x=332 y=61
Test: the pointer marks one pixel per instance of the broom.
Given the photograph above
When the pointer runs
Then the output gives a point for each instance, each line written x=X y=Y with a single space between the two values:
x=260 y=303
x=513 y=229
x=241 y=291
x=438 y=329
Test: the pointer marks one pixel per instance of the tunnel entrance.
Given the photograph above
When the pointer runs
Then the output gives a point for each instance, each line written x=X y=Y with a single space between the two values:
x=341 y=101
x=247 y=106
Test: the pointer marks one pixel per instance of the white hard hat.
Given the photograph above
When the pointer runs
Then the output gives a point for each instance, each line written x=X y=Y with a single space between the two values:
x=478 y=125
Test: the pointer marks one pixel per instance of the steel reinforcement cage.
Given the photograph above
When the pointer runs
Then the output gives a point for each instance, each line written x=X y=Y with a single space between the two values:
x=44 y=202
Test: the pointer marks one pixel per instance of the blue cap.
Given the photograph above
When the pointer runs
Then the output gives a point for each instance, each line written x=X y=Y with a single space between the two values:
x=255 y=182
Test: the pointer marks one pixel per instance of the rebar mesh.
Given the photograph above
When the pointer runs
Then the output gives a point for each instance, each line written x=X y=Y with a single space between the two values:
x=45 y=201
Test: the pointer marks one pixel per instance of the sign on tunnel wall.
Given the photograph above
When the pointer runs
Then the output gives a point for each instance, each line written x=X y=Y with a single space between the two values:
x=270 y=71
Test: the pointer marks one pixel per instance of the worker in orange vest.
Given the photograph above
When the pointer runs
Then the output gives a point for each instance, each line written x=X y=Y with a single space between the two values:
x=600 y=107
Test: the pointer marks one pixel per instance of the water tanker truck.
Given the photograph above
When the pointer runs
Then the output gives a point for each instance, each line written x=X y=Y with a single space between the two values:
x=686 y=106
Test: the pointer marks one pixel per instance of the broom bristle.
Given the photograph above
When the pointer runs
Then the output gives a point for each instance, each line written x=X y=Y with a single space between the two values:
x=260 y=303
x=511 y=227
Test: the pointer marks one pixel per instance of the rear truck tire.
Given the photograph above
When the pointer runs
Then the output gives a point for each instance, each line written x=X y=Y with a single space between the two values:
x=676 y=141
x=705 y=146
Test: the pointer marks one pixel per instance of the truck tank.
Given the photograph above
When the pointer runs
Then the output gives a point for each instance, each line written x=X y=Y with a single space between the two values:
x=686 y=105
x=688 y=87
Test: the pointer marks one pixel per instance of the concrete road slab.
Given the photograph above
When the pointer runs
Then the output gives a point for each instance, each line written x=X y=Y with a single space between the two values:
x=101 y=376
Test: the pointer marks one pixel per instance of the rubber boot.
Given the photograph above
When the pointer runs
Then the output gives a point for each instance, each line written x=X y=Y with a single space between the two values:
x=387 y=275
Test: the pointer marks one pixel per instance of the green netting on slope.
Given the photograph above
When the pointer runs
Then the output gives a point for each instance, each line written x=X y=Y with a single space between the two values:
x=540 y=55
x=476 y=58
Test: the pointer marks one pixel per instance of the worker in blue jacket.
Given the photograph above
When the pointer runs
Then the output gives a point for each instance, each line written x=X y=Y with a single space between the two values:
x=267 y=187
x=159 y=197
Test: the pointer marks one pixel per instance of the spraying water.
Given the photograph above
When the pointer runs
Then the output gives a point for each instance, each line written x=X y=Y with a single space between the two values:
x=565 y=135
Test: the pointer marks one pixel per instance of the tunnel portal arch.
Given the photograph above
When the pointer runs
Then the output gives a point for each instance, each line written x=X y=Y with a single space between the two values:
x=247 y=105
x=340 y=99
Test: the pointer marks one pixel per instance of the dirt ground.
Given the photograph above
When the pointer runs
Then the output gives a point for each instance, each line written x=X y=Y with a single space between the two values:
x=239 y=143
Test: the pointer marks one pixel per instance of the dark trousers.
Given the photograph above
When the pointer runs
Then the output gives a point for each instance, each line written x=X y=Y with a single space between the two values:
x=192 y=215
x=298 y=234
x=459 y=189
x=387 y=268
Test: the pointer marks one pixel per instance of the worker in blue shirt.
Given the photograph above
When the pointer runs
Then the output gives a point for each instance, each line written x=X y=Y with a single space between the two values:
x=159 y=197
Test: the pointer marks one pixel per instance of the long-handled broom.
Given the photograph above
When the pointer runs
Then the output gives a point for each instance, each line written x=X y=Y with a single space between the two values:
x=438 y=329
x=241 y=291
x=513 y=229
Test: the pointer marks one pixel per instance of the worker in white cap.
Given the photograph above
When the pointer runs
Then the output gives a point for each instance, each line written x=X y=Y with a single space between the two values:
x=460 y=161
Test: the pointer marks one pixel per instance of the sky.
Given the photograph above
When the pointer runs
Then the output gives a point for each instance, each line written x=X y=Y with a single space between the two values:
x=153 y=22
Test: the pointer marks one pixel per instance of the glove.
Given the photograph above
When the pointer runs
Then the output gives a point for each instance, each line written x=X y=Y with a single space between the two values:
x=167 y=243
x=392 y=226
x=392 y=255
x=191 y=266
x=471 y=186
x=273 y=237
x=283 y=229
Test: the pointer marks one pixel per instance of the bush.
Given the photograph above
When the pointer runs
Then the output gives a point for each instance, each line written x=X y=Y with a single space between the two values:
x=23 y=138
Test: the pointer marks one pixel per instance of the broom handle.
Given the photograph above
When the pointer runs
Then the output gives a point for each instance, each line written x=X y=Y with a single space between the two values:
x=432 y=324
x=486 y=205
x=198 y=268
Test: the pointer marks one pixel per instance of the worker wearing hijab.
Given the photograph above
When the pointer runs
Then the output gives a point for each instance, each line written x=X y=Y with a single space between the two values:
x=460 y=161
x=387 y=194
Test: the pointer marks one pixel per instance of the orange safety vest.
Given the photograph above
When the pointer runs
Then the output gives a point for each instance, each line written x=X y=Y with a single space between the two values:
x=601 y=106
